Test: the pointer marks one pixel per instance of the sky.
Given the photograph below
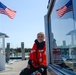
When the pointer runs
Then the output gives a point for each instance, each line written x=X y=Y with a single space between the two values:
x=62 y=26
x=29 y=20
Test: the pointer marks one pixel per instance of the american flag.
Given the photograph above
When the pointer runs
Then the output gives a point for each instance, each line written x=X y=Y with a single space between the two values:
x=66 y=8
x=7 y=11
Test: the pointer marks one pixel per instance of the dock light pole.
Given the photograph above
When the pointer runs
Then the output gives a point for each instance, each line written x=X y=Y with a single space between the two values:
x=48 y=30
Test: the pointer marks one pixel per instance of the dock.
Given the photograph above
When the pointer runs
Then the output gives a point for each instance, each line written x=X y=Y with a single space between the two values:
x=15 y=68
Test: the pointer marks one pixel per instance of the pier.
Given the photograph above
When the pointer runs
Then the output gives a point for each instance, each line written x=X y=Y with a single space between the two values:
x=15 y=68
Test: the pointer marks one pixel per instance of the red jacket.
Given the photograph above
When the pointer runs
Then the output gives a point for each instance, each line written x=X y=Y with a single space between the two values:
x=38 y=56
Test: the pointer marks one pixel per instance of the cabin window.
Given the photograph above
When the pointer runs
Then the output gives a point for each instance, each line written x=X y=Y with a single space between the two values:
x=63 y=36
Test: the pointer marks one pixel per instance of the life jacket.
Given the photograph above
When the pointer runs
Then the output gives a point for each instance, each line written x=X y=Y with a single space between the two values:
x=38 y=55
x=57 y=56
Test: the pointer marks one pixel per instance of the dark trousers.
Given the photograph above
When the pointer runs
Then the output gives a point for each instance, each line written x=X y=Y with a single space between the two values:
x=27 y=71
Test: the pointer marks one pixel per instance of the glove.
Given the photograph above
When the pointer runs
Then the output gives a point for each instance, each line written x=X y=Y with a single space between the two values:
x=41 y=70
x=38 y=73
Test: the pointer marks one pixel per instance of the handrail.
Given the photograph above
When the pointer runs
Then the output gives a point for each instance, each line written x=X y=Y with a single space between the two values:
x=60 y=70
x=48 y=22
x=50 y=8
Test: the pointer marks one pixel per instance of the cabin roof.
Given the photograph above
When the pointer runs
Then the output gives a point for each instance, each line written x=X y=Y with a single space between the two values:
x=73 y=32
x=4 y=35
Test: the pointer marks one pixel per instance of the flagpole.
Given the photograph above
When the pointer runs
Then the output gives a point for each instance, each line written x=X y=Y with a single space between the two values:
x=73 y=15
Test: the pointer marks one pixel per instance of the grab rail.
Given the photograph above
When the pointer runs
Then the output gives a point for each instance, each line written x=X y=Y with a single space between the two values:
x=60 y=70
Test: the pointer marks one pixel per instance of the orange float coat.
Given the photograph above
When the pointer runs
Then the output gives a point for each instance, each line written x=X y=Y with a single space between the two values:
x=38 y=56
